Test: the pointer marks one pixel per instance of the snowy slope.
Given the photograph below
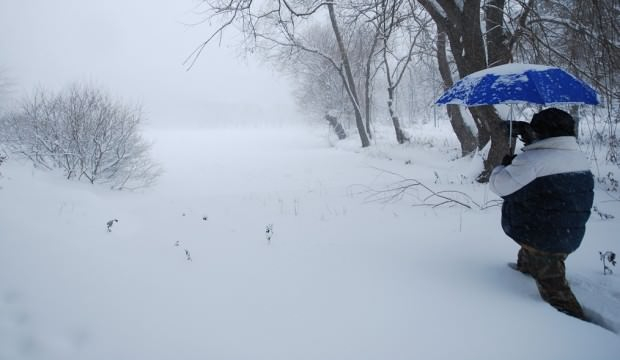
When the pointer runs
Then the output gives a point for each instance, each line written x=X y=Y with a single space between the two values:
x=341 y=278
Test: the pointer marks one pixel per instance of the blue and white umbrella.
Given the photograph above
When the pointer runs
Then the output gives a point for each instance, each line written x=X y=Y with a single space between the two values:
x=519 y=83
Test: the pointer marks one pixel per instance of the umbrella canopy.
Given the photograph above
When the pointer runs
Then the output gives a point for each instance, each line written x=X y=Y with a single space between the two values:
x=519 y=83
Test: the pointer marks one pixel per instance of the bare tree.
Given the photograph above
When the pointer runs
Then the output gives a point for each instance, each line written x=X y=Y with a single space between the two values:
x=387 y=18
x=318 y=85
x=347 y=75
x=581 y=36
x=464 y=133
x=278 y=24
x=401 y=25
x=577 y=35
x=85 y=133
x=474 y=50
x=363 y=46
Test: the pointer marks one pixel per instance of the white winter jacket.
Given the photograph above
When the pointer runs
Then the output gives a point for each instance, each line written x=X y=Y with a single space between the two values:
x=555 y=155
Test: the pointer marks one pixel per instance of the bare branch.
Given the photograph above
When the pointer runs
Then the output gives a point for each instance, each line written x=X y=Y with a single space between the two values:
x=428 y=197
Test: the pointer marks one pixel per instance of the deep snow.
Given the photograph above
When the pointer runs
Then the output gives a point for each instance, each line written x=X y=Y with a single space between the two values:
x=343 y=276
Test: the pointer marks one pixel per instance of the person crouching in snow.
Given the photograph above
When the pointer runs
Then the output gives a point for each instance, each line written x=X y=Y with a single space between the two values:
x=548 y=194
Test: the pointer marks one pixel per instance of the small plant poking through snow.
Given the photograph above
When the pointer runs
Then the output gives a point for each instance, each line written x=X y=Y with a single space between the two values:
x=609 y=182
x=2 y=159
x=188 y=256
x=437 y=179
x=269 y=232
x=110 y=223
x=604 y=216
x=610 y=257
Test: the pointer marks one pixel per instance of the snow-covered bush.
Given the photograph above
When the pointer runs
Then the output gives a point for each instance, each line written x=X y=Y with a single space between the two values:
x=84 y=132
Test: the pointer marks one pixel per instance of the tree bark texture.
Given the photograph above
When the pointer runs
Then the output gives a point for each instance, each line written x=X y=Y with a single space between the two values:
x=348 y=77
x=335 y=124
x=467 y=139
x=462 y=27
x=367 y=83
x=400 y=135
x=497 y=42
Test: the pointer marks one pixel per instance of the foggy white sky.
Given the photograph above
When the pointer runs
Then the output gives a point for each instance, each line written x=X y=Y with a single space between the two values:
x=135 y=50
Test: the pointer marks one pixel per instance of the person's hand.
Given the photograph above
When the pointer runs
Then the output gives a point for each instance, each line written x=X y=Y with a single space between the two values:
x=507 y=160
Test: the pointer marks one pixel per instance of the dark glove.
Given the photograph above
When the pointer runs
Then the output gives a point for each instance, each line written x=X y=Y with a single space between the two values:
x=507 y=160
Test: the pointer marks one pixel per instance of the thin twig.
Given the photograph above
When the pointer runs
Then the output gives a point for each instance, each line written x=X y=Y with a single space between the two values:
x=401 y=188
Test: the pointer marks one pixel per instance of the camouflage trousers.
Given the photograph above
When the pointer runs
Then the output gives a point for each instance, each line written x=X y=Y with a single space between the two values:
x=550 y=274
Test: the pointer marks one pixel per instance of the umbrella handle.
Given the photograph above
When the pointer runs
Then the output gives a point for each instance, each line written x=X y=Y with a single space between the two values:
x=510 y=118
x=510 y=149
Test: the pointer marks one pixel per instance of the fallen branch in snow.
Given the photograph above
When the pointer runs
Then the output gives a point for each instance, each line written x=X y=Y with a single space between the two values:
x=428 y=197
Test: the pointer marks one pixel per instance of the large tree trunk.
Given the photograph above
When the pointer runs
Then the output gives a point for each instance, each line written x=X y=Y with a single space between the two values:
x=499 y=53
x=335 y=124
x=400 y=135
x=497 y=42
x=388 y=23
x=464 y=133
x=500 y=144
x=367 y=83
x=462 y=26
x=349 y=82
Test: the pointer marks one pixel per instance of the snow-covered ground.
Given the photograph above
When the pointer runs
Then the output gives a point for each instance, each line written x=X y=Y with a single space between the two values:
x=344 y=275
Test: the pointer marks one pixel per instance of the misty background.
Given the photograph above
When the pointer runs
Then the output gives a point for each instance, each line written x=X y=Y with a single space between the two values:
x=217 y=232
x=135 y=50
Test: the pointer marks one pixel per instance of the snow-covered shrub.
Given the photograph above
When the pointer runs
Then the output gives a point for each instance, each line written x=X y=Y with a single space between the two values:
x=84 y=132
x=601 y=214
x=609 y=182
